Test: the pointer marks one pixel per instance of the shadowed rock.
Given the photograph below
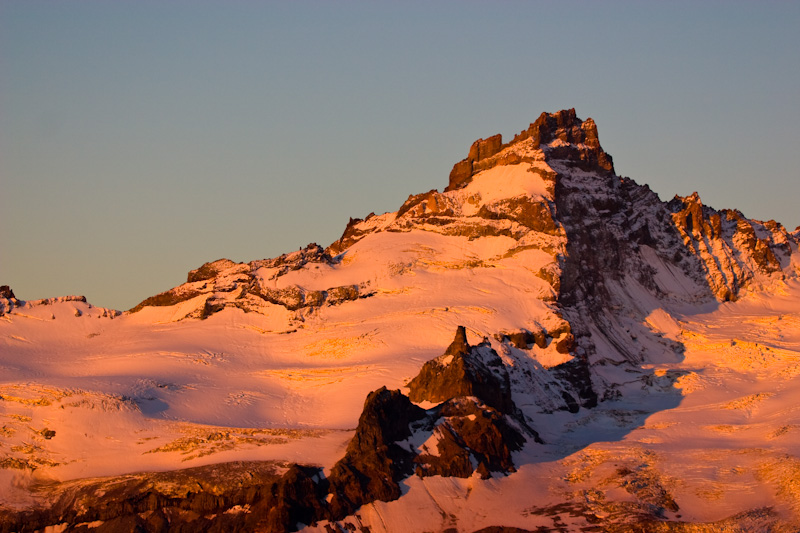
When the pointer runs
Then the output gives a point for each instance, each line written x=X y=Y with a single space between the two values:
x=468 y=432
x=374 y=463
x=464 y=370
x=6 y=292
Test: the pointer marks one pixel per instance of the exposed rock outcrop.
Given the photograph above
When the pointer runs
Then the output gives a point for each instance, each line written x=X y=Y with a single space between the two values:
x=6 y=292
x=731 y=249
x=477 y=422
x=572 y=140
x=295 y=298
x=476 y=429
x=7 y=300
x=210 y=270
x=296 y=498
x=464 y=370
x=8 y=303
x=351 y=235
x=242 y=496
x=525 y=339
x=166 y=298
x=374 y=463
x=467 y=432
x=224 y=284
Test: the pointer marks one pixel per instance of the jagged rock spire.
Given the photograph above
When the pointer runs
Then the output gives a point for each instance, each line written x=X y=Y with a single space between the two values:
x=459 y=346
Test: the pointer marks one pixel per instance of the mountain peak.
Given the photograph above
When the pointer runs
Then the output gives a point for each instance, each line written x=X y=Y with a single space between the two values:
x=560 y=136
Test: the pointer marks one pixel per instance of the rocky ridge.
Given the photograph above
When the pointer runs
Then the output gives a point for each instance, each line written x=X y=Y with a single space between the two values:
x=722 y=250
x=10 y=303
x=733 y=250
x=394 y=440
x=474 y=428
x=254 y=287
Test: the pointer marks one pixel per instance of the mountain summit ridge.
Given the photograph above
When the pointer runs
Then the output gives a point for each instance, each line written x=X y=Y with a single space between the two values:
x=548 y=198
x=554 y=143
x=580 y=144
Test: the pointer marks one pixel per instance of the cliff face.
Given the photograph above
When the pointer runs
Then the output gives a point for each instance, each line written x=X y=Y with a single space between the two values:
x=464 y=370
x=570 y=139
x=731 y=249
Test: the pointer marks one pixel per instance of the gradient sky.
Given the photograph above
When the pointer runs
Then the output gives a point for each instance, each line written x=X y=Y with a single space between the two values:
x=140 y=139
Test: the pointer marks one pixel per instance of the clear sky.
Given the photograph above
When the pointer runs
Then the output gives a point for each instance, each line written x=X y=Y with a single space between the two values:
x=140 y=139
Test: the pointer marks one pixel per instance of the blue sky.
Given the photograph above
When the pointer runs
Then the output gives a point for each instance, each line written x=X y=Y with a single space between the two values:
x=140 y=139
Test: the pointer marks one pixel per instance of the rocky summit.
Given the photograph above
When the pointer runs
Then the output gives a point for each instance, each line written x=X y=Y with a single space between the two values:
x=544 y=345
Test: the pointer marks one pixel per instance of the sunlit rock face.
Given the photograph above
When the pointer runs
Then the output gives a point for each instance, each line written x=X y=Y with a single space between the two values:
x=567 y=137
x=541 y=345
x=732 y=249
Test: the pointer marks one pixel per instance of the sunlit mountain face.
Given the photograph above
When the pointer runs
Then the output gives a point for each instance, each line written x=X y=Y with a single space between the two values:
x=543 y=346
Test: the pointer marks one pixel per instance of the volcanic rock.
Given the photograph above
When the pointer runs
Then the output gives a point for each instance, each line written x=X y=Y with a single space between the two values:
x=572 y=140
x=374 y=463
x=209 y=270
x=467 y=431
x=6 y=292
x=297 y=498
x=464 y=370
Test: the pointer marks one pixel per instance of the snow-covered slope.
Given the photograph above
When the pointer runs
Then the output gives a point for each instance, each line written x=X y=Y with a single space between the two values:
x=651 y=346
